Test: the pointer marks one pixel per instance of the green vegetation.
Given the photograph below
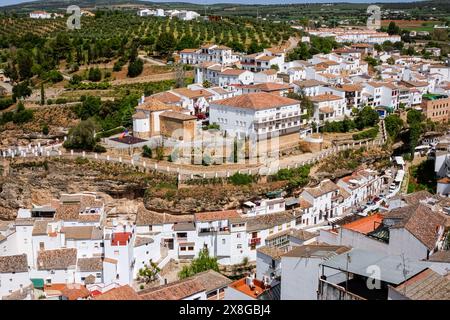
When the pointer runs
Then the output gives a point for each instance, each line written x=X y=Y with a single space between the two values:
x=296 y=177
x=241 y=179
x=422 y=177
x=393 y=125
x=146 y=152
x=149 y=272
x=135 y=68
x=109 y=133
x=81 y=137
x=6 y=103
x=367 y=134
x=366 y=117
x=19 y=116
x=203 y=263
x=317 y=45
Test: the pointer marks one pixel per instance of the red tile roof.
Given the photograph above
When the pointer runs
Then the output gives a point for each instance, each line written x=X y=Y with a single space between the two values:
x=257 y=101
x=216 y=215
x=366 y=224
x=120 y=238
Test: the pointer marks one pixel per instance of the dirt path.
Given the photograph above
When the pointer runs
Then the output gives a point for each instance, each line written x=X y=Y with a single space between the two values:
x=150 y=78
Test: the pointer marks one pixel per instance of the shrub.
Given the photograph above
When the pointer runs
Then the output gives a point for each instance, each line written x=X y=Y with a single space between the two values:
x=135 y=68
x=99 y=148
x=54 y=76
x=45 y=129
x=6 y=103
x=240 y=179
x=146 y=152
x=367 y=134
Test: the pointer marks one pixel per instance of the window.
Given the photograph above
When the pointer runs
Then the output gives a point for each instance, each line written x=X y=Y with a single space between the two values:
x=182 y=248
x=223 y=241
x=238 y=235
x=239 y=246
x=190 y=248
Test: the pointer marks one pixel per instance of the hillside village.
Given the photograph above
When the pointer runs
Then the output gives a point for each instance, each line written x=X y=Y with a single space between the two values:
x=246 y=119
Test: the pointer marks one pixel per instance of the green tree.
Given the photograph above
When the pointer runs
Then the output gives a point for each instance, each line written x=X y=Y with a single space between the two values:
x=367 y=117
x=94 y=74
x=42 y=94
x=202 y=263
x=146 y=152
x=414 y=116
x=82 y=136
x=393 y=125
x=149 y=272
x=90 y=106
x=45 y=129
x=165 y=44
x=135 y=68
x=21 y=90
x=393 y=28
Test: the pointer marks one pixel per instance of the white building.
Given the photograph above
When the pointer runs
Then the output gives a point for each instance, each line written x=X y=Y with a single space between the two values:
x=257 y=113
x=40 y=15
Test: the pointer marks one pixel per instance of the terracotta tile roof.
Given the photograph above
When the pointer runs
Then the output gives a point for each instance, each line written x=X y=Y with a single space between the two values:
x=188 y=50
x=140 y=241
x=416 y=197
x=68 y=212
x=16 y=263
x=326 y=110
x=74 y=291
x=219 y=90
x=325 y=97
x=167 y=97
x=426 y=285
x=445 y=180
x=420 y=221
x=316 y=250
x=351 y=87
x=153 y=104
x=146 y=217
x=272 y=252
x=216 y=215
x=139 y=115
x=304 y=204
x=266 y=58
x=121 y=293
x=56 y=259
x=90 y=264
x=309 y=83
x=257 y=101
x=212 y=280
x=270 y=86
x=191 y=94
x=232 y=72
x=322 y=188
x=174 y=291
x=440 y=256
x=177 y=116
x=265 y=221
x=40 y=227
x=82 y=233
x=302 y=234
x=365 y=225
x=269 y=72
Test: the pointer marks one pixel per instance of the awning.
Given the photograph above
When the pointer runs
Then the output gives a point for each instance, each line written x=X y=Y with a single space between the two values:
x=38 y=283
